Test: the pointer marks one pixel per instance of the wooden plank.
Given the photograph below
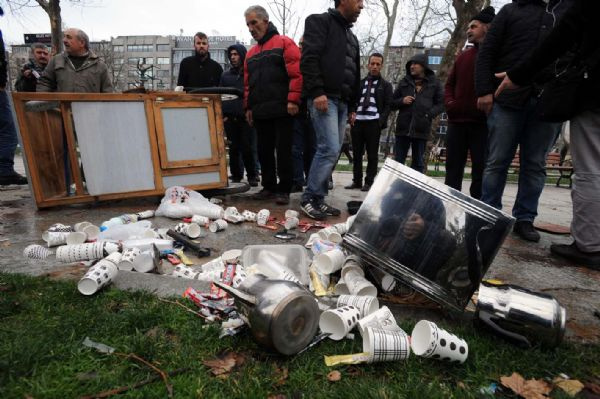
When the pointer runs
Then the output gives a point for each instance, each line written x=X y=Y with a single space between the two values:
x=65 y=108
x=220 y=137
x=153 y=136
x=188 y=171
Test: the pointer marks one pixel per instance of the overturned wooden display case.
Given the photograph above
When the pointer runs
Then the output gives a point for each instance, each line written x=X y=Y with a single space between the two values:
x=92 y=147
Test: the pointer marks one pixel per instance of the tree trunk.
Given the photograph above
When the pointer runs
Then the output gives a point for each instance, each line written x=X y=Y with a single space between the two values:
x=52 y=8
x=391 y=22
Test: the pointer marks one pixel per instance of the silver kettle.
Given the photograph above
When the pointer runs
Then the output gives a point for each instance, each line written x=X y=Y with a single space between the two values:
x=282 y=315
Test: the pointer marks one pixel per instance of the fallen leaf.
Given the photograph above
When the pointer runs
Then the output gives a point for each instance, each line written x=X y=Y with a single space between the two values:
x=281 y=375
x=334 y=376
x=595 y=388
x=571 y=387
x=222 y=365
x=529 y=389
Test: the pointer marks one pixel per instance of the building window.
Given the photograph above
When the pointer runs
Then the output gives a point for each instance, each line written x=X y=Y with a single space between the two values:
x=142 y=60
x=132 y=74
x=140 y=47
x=435 y=60
x=163 y=47
x=118 y=49
x=162 y=73
x=163 y=60
x=119 y=61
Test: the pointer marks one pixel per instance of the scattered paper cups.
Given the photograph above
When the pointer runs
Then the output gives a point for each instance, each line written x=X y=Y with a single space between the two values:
x=428 y=340
x=249 y=216
x=365 y=304
x=217 y=225
x=91 y=231
x=330 y=261
x=55 y=238
x=81 y=225
x=76 y=237
x=262 y=217
x=200 y=220
x=382 y=319
x=358 y=285
x=385 y=346
x=129 y=255
x=145 y=262
x=36 y=251
x=339 y=322
x=60 y=228
x=290 y=213
x=291 y=223
x=192 y=230
x=79 y=252
x=99 y=275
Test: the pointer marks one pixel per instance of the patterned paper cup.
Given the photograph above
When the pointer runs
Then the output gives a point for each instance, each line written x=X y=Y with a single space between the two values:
x=99 y=275
x=185 y=272
x=382 y=319
x=428 y=340
x=365 y=304
x=36 y=251
x=339 y=322
x=385 y=346
x=129 y=255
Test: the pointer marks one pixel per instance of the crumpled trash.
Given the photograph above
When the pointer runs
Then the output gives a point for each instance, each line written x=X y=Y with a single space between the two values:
x=180 y=202
x=102 y=348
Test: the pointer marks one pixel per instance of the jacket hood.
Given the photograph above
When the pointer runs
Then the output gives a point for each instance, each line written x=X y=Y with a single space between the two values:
x=271 y=31
x=419 y=59
x=240 y=48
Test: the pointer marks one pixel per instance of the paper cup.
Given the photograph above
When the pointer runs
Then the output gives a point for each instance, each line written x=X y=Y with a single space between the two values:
x=358 y=285
x=428 y=340
x=145 y=214
x=211 y=211
x=55 y=238
x=80 y=226
x=60 y=228
x=341 y=228
x=192 y=230
x=92 y=232
x=239 y=278
x=217 y=225
x=349 y=221
x=211 y=276
x=311 y=239
x=386 y=281
x=182 y=271
x=114 y=258
x=330 y=234
x=262 y=217
x=290 y=213
x=382 y=319
x=231 y=256
x=215 y=264
x=99 y=275
x=249 y=216
x=341 y=289
x=144 y=262
x=36 y=251
x=126 y=262
x=351 y=267
x=365 y=304
x=79 y=252
x=385 y=346
x=200 y=220
x=291 y=223
x=339 y=322
x=76 y=237
x=330 y=261
x=232 y=215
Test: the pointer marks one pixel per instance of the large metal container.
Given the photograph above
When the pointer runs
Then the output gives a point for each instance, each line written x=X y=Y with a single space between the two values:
x=520 y=315
x=426 y=234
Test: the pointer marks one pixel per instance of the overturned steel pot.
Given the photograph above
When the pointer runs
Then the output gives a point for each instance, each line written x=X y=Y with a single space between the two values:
x=520 y=315
x=282 y=315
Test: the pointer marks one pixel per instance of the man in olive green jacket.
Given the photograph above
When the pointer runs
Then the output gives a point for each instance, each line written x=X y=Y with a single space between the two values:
x=77 y=69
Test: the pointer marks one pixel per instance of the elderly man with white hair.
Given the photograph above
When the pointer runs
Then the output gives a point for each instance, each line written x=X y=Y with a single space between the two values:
x=77 y=69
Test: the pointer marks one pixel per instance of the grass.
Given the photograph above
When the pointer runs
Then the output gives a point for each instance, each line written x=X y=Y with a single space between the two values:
x=43 y=323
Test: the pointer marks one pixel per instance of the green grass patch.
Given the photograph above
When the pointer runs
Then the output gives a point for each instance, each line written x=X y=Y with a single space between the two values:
x=43 y=324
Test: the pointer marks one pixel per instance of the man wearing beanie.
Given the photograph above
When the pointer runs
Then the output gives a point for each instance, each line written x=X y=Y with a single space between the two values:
x=467 y=129
x=513 y=120
x=419 y=97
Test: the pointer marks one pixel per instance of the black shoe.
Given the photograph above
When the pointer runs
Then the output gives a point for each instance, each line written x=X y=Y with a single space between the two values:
x=263 y=194
x=282 y=199
x=329 y=210
x=526 y=231
x=312 y=211
x=296 y=188
x=353 y=186
x=253 y=182
x=572 y=253
x=330 y=185
x=366 y=187
x=12 y=179
x=236 y=179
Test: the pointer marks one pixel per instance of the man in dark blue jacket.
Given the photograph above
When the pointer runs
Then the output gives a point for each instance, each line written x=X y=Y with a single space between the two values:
x=239 y=132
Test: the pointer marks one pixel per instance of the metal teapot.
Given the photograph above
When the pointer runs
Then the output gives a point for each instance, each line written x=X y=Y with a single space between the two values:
x=282 y=315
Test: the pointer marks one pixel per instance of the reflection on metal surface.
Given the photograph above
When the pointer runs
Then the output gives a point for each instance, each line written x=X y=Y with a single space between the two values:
x=521 y=315
x=428 y=235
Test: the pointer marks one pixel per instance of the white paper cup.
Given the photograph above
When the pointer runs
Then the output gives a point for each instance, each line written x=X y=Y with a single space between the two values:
x=385 y=346
x=249 y=216
x=311 y=239
x=358 y=285
x=339 y=322
x=262 y=217
x=291 y=223
x=341 y=228
x=114 y=258
x=365 y=304
x=330 y=261
x=36 y=251
x=76 y=237
x=144 y=262
x=92 y=232
x=231 y=256
x=217 y=225
x=386 y=281
x=341 y=289
x=55 y=238
x=211 y=211
x=232 y=215
x=60 y=228
x=382 y=319
x=192 y=230
x=239 y=278
x=290 y=213
x=145 y=214
x=99 y=275
x=79 y=252
x=211 y=276
x=80 y=226
x=428 y=340
x=200 y=220
x=331 y=234
x=215 y=264
x=129 y=255
x=351 y=266
x=182 y=271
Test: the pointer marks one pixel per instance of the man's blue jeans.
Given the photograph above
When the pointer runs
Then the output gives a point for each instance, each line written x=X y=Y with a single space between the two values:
x=8 y=136
x=329 y=130
x=509 y=128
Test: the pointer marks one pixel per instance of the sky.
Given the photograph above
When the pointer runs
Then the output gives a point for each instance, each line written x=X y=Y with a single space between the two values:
x=101 y=19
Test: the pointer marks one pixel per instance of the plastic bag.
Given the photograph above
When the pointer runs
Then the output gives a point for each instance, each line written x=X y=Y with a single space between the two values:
x=180 y=202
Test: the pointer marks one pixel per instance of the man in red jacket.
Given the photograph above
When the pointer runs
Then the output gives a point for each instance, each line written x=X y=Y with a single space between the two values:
x=467 y=129
x=272 y=87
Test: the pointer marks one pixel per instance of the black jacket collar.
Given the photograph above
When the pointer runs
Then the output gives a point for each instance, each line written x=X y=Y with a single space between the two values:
x=271 y=31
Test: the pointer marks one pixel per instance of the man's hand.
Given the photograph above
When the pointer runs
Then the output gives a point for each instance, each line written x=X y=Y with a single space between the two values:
x=352 y=118
x=292 y=108
x=413 y=227
x=506 y=83
x=485 y=103
x=320 y=103
x=27 y=73
x=408 y=100
x=249 y=117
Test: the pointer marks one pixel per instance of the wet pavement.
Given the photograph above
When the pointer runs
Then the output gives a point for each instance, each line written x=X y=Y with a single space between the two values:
x=529 y=265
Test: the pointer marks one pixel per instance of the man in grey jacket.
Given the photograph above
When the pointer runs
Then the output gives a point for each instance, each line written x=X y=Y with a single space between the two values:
x=77 y=69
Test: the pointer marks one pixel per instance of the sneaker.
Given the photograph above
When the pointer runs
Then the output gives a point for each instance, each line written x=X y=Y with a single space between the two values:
x=572 y=253
x=296 y=188
x=313 y=212
x=353 y=186
x=329 y=210
x=366 y=187
x=263 y=194
x=282 y=199
x=525 y=230
x=13 y=179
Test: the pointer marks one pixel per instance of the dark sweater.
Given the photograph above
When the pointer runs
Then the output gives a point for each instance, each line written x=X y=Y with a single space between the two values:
x=197 y=72
x=459 y=94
